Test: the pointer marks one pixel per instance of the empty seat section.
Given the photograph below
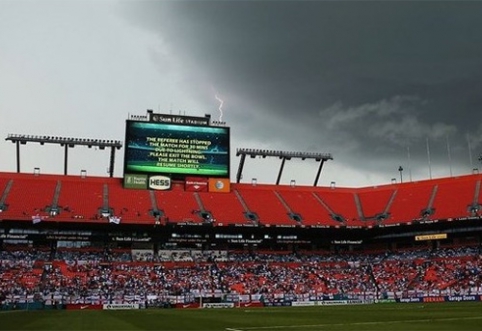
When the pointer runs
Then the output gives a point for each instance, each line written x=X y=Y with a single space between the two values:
x=81 y=199
x=224 y=207
x=3 y=187
x=409 y=202
x=3 y=184
x=341 y=202
x=374 y=201
x=266 y=205
x=29 y=196
x=178 y=205
x=454 y=198
x=133 y=206
x=311 y=210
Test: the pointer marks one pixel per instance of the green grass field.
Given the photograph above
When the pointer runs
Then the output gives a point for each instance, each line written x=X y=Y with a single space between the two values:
x=433 y=316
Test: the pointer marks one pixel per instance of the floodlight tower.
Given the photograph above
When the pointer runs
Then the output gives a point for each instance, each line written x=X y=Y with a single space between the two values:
x=283 y=155
x=23 y=139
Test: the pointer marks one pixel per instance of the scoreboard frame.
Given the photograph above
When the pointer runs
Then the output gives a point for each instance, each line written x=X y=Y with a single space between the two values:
x=177 y=147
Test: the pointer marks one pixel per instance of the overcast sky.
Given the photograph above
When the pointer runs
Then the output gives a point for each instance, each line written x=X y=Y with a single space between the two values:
x=378 y=84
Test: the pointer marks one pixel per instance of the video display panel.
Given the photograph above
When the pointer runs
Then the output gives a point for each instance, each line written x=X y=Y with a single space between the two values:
x=161 y=148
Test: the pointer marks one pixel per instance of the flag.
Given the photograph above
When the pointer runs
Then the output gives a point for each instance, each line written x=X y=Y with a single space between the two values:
x=114 y=219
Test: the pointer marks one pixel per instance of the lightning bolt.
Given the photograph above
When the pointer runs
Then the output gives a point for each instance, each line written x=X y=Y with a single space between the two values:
x=220 y=107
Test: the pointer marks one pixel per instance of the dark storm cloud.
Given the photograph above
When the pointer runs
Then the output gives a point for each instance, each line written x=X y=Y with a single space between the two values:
x=356 y=78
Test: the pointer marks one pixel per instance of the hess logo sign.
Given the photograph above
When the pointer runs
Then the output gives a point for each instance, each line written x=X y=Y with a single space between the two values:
x=159 y=183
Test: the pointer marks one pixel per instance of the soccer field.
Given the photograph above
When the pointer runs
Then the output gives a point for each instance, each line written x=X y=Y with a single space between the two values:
x=433 y=316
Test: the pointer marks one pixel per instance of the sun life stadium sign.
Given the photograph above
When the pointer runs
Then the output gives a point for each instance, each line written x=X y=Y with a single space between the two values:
x=184 y=120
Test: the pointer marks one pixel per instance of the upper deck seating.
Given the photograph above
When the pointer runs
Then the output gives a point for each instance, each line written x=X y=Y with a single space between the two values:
x=266 y=204
x=224 y=207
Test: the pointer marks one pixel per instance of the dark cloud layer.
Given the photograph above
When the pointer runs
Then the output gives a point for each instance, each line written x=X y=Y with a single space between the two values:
x=358 y=79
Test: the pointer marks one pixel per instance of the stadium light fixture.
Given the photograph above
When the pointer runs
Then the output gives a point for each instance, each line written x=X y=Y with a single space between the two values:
x=283 y=156
x=66 y=142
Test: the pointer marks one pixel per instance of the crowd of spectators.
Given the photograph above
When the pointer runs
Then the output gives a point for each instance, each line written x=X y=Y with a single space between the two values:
x=107 y=276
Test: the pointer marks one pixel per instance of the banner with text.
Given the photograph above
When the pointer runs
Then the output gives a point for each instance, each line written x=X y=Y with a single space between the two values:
x=135 y=181
x=196 y=184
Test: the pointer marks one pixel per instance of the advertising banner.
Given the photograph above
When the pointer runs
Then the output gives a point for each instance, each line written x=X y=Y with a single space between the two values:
x=221 y=185
x=303 y=303
x=187 y=305
x=277 y=303
x=254 y=304
x=219 y=305
x=459 y=298
x=160 y=183
x=452 y=298
x=120 y=306
x=135 y=181
x=196 y=184
x=410 y=300
x=434 y=299
x=78 y=306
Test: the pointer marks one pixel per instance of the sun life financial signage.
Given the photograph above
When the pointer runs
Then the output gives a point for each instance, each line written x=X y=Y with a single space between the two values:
x=159 y=183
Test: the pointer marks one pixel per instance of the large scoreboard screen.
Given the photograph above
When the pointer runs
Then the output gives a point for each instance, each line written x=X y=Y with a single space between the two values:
x=175 y=149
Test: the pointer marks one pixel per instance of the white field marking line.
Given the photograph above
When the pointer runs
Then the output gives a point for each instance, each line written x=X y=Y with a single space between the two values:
x=355 y=323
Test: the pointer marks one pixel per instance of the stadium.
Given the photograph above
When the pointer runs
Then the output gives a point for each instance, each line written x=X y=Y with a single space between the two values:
x=174 y=234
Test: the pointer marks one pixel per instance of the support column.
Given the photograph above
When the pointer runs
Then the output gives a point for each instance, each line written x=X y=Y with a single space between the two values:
x=111 y=163
x=18 y=156
x=319 y=172
x=280 y=170
x=240 y=168
x=66 y=153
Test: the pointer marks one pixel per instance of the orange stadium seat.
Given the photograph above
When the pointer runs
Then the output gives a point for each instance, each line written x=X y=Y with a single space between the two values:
x=374 y=202
x=263 y=201
x=410 y=200
x=178 y=205
x=133 y=206
x=305 y=203
x=341 y=201
x=81 y=198
x=225 y=208
x=28 y=195
x=454 y=197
